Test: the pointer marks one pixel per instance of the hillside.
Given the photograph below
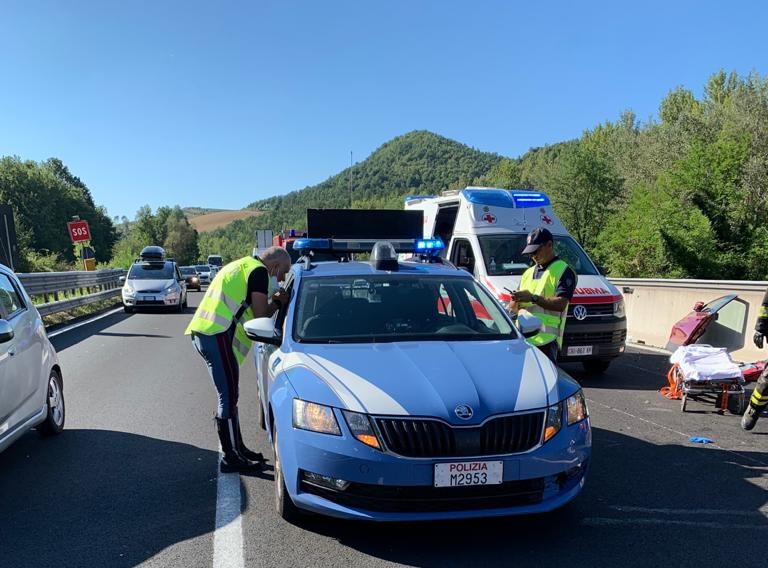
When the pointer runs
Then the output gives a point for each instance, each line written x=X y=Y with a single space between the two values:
x=416 y=163
x=204 y=223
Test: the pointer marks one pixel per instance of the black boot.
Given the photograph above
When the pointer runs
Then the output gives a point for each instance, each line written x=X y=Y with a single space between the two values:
x=750 y=417
x=241 y=447
x=233 y=460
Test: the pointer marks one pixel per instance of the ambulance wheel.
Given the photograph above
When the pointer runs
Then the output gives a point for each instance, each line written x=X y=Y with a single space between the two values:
x=595 y=366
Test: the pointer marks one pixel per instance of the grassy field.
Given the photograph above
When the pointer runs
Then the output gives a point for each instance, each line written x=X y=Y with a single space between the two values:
x=212 y=221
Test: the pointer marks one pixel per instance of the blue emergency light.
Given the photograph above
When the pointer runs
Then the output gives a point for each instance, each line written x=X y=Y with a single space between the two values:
x=427 y=245
x=312 y=244
x=418 y=246
x=530 y=199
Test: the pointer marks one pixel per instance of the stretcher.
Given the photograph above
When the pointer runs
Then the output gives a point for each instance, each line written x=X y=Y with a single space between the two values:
x=706 y=374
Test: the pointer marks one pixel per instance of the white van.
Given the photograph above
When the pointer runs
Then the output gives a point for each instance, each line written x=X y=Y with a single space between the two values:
x=485 y=230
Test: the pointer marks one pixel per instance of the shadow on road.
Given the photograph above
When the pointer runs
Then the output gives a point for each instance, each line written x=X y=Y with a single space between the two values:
x=644 y=505
x=102 y=498
x=632 y=371
x=70 y=338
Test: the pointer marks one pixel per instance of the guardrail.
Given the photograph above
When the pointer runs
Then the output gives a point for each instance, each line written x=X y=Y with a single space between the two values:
x=653 y=305
x=55 y=292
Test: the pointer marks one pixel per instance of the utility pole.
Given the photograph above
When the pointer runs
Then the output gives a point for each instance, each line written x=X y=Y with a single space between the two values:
x=350 y=179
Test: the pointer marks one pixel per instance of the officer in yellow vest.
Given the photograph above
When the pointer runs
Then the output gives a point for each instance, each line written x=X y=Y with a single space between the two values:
x=545 y=291
x=758 y=402
x=241 y=291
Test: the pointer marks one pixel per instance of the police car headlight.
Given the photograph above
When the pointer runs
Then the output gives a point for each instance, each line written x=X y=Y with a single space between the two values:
x=554 y=421
x=314 y=417
x=361 y=428
x=576 y=407
x=618 y=309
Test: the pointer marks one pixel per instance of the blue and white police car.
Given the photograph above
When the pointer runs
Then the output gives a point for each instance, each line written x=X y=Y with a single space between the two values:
x=401 y=390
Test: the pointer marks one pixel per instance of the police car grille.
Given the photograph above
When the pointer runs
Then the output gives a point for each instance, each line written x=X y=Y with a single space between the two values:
x=430 y=438
x=511 y=434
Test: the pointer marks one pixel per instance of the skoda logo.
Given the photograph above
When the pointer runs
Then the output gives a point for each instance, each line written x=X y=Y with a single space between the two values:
x=580 y=312
x=463 y=411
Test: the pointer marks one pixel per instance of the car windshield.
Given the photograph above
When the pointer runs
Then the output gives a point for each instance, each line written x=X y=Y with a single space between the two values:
x=151 y=271
x=188 y=270
x=203 y=268
x=502 y=255
x=396 y=307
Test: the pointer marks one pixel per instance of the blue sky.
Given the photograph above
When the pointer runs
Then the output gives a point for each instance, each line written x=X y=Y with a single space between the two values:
x=217 y=104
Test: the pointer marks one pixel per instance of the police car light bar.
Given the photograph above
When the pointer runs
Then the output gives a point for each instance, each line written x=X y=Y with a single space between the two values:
x=347 y=245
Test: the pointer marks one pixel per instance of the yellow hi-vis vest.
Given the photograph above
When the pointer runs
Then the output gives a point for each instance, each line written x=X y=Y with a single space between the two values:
x=225 y=301
x=546 y=287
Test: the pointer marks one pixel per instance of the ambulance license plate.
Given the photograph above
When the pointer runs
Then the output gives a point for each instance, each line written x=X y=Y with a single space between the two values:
x=580 y=350
x=462 y=474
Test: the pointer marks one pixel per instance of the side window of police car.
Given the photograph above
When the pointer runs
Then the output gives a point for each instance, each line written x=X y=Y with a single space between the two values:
x=11 y=303
x=283 y=311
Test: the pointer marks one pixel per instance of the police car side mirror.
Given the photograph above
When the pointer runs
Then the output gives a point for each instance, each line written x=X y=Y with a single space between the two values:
x=528 y=324
x=262 y=330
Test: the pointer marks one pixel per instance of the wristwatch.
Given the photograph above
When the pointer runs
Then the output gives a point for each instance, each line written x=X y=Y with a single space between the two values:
x=535 y=298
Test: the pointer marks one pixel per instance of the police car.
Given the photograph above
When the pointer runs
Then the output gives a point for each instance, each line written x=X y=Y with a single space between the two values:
x=401 y=390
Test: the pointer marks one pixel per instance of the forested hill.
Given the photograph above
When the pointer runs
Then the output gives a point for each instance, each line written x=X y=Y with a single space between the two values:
x=419 y=162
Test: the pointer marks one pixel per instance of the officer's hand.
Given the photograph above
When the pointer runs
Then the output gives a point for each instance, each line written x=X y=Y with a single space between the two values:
x=522 y=296
x=759 y=338
x=281 y=297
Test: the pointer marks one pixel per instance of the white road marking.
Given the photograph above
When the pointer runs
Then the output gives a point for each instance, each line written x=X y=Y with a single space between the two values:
x=228 y=537
x=668 y=429
x=698 y=512
x=82 y=323
x=607 y=521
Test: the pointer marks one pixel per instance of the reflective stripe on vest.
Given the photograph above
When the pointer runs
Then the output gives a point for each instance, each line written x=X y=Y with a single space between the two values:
x=553 y=322
x=225 y=297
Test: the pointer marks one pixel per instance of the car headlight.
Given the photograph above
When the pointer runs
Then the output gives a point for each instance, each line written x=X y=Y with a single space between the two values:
x=171 y=289
x=618 y=309
x=576 y=406
x=194 y=279
x=360 y=426
x=554 y=421
x=314 y=417
x=128 y=291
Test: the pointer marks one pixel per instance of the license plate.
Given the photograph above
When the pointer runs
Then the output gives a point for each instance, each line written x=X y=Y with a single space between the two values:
x=149 y=298
x=462 y=474
x=580 y=350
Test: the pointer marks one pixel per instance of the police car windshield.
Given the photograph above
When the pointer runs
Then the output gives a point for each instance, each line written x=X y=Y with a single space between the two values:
x=151 y=271
x=502 y=255
x=396 y=307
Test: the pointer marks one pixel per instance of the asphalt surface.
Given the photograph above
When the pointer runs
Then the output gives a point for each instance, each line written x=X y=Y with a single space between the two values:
x=132 y=480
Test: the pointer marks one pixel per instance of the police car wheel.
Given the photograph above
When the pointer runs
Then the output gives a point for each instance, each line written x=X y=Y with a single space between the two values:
x=283 y=503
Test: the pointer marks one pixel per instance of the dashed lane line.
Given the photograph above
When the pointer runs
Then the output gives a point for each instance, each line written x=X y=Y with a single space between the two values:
x=228 y=537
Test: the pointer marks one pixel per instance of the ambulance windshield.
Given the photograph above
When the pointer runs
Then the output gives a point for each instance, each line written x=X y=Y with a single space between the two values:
x=502 y=255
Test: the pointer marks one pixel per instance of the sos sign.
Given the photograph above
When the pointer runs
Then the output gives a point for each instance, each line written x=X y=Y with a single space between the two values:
x=79 y=231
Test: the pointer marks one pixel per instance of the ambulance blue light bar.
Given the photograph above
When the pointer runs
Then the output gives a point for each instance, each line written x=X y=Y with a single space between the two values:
x=529 y=199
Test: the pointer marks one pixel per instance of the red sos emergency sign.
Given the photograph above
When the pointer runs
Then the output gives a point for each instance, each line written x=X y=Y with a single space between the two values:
x=79 y=231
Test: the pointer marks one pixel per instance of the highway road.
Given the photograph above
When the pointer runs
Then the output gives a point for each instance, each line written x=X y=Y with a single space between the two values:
x=133 y=479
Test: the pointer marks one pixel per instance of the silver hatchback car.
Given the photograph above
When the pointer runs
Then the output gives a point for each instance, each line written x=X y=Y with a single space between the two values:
x=31 y=387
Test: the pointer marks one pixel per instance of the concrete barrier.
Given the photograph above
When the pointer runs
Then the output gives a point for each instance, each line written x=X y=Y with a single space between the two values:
x=654 y=305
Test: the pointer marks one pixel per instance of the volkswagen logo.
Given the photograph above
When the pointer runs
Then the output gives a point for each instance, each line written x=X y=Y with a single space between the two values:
x=463 y=411
x=580 y=312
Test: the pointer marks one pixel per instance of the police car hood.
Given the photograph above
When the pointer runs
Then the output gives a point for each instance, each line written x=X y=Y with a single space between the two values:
x=425 y=378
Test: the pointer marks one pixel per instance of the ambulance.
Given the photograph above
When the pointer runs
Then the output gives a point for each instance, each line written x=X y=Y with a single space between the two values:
x=485 y=230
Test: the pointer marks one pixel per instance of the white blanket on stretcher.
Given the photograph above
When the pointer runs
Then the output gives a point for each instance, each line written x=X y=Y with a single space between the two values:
x=705 y=363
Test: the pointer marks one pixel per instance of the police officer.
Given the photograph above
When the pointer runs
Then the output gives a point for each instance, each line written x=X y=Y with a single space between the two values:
x=759 y=399
x=546 y=288
x=240 y=292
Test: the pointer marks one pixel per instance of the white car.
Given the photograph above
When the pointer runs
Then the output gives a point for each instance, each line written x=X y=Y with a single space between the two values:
x=31 y=388
x=204 y=272
x=154 y=284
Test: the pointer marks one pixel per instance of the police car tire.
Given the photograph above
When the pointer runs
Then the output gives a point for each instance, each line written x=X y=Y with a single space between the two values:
x=283 y=503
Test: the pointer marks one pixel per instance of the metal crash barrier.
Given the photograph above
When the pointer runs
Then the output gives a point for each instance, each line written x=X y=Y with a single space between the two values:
x=54 y=292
